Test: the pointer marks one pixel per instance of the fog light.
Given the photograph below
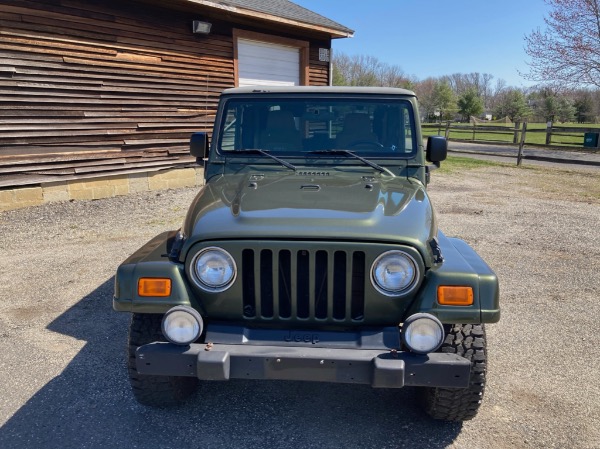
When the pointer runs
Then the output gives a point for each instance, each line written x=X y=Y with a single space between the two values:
x=422 y=333
x=182 y=325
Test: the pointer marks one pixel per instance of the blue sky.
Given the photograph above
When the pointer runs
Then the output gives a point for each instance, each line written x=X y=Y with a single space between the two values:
x=439 y=37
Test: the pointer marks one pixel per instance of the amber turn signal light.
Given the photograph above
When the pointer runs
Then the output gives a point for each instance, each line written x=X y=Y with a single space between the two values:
x=451 y=295
x=160 y=287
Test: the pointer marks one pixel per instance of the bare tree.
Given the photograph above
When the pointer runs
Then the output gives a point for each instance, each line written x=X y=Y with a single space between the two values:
x=366 y=70
x=425 y=91
x=567 y=52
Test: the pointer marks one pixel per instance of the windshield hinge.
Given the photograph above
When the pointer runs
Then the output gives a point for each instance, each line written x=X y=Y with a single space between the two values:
x=436 y=251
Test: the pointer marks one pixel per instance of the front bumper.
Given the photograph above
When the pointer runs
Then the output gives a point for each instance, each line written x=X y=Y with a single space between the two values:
x=380 y=369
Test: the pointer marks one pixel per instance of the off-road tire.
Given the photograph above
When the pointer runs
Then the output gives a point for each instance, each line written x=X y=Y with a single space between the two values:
x=460 y=404
x=156 y=391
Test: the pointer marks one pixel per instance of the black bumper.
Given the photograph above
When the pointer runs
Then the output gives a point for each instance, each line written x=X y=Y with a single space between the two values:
x=381 y=369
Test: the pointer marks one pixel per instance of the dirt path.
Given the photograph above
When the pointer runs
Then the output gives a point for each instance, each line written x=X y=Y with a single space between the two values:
x=62 y=368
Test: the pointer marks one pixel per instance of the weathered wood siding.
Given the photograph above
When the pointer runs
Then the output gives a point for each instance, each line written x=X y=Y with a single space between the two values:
x=318 y=70
x=100 y=85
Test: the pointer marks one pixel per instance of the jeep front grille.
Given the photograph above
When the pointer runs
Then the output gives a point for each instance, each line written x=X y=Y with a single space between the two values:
x=303 y=284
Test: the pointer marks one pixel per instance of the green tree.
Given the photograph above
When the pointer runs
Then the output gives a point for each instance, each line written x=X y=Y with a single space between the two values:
x=470 y=104
x=512 y=103
x=549 y=108
x=584 y=107
x=566 y=110
x=444 y=100
x=338 y=78
x=554 y=107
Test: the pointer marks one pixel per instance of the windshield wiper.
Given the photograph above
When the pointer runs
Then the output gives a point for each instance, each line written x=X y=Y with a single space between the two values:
x=266 y=153
x=356 y=156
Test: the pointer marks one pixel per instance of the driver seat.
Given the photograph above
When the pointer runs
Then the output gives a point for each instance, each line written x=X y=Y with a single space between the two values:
x=280 y=132
x=357 y=129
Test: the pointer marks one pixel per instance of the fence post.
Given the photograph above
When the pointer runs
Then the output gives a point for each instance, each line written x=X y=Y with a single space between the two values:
x=447 y=134
x=474 y=125
x=521 y=144
x=516 y=134
x=549 y=133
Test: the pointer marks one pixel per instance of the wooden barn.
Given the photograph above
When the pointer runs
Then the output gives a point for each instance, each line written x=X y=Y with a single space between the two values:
x=99 y=97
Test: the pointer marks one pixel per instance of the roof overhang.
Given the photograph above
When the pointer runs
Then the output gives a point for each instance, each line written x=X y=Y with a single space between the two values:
x=333 y=32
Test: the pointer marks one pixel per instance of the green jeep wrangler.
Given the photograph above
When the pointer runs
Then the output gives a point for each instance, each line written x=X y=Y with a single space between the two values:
x=311 y=253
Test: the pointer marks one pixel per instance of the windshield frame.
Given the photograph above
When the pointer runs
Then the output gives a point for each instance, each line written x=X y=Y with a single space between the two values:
x=404 y=103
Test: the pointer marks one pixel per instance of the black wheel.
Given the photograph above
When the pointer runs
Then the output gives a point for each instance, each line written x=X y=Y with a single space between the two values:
x=460 y=404
x=157 y=391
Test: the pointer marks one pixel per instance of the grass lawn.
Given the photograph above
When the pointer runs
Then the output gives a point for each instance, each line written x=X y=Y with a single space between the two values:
x=457 y=164
x=552 y=182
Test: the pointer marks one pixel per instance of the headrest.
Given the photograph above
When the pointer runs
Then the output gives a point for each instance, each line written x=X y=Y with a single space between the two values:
x=280 y=120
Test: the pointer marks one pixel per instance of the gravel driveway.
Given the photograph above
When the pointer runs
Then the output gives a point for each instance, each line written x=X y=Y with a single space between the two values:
x=62 y=371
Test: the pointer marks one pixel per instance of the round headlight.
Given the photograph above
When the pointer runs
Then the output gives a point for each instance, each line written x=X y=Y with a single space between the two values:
x=182 y=325
x=422 y=333
x=214 y=269
x=393 y=273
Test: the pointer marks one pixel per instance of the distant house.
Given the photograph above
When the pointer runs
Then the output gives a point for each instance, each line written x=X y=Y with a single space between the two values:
x=100 y=88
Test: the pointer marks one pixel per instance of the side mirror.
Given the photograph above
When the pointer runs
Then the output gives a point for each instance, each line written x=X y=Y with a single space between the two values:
x=437 y=149
x=199 y=145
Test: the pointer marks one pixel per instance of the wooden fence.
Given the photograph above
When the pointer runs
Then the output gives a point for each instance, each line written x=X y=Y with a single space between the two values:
x=536 y=134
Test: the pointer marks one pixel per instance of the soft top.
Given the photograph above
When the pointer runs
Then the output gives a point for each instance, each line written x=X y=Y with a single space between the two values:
x=319 y=90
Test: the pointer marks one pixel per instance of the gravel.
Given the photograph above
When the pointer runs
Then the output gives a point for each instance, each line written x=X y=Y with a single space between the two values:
x=62 y=370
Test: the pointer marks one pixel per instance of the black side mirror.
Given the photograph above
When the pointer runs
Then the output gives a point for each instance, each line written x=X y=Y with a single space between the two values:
x=199 y=145
x=437 y=149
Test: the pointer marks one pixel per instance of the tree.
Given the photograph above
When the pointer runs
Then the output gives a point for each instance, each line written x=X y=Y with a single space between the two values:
x=549 y=108
x=470 y=104
x=551 y=105
x=566 y=110
x=584 y=107
x=462 y=82
x=358 y=70
x=444 y=100
x=512 y=103
x=424 y=90
x=558 y=109
x=567 y=52
x=493 y=99
x=366 y=70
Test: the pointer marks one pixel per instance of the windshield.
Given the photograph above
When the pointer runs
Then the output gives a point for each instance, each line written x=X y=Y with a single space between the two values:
x=294 y=126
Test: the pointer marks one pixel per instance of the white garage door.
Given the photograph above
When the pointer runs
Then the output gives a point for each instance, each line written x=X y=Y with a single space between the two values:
x=266 y=64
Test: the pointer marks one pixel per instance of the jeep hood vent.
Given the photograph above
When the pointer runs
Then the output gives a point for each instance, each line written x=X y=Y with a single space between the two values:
x=312 y=173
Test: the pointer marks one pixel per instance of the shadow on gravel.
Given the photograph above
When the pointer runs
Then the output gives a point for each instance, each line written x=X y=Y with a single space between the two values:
x=89 y=405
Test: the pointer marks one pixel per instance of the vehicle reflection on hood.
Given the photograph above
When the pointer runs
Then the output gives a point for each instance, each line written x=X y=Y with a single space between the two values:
x=288 y=205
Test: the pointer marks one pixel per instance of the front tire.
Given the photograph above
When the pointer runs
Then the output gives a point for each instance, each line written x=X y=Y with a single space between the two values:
x=156 y=391
x=460 y=404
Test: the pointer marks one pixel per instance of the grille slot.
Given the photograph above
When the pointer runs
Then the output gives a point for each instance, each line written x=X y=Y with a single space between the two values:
x=303 y=284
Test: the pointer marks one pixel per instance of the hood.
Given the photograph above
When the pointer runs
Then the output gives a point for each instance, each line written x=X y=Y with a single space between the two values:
x=295 y=206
